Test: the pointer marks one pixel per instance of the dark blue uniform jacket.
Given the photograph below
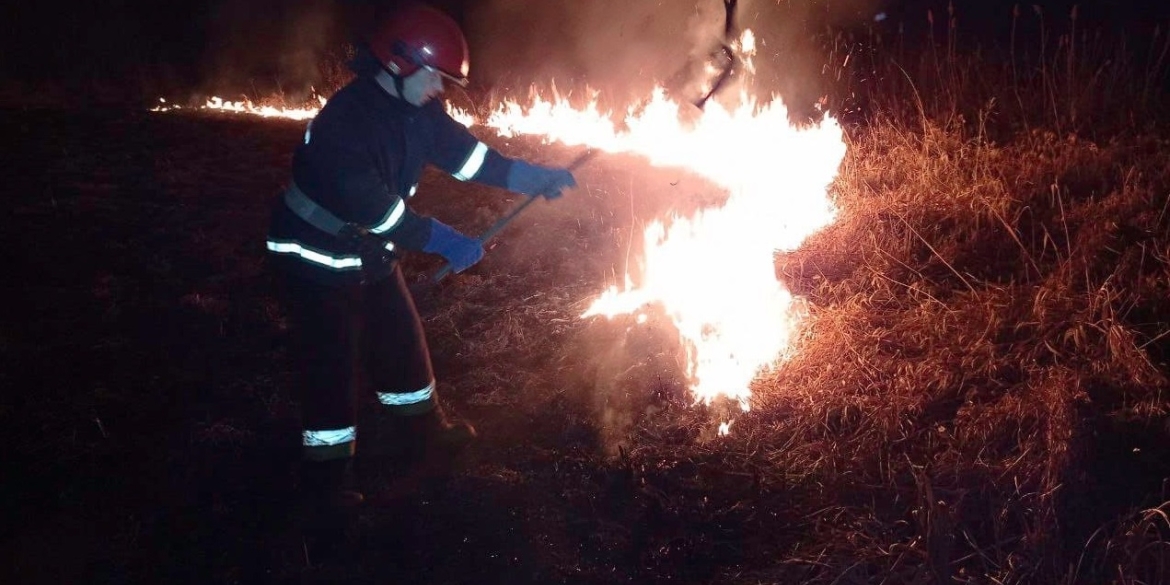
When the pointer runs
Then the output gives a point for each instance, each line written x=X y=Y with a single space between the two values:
x=361 y=159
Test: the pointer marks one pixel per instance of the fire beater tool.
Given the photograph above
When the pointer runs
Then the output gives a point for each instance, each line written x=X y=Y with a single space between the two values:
x=724 y=53
x=503 y=222
x=722 y=60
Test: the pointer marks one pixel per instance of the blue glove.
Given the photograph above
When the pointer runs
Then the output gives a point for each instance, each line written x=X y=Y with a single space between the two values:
x=531 y=179
x=459 y=250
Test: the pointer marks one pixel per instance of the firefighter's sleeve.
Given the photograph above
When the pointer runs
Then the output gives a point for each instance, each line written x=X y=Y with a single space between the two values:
x=458 y=152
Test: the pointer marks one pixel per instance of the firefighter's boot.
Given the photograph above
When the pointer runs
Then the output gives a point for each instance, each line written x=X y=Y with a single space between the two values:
x=424 y=448
x=328 y=508
x=437 y=440
x=326 y=485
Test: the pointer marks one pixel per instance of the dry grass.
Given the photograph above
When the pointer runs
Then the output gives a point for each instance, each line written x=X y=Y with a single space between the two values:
x=976 y=319
x=1047 y=71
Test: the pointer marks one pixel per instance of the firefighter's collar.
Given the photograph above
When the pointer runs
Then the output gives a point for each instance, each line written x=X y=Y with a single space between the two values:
x=386 y=82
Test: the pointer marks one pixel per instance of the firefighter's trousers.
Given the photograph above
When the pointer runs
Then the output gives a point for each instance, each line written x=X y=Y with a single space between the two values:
x=351 y=338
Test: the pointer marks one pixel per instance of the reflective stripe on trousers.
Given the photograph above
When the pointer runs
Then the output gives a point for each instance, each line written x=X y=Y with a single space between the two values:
x=323 y=445
x=352 y=338
x=408 y=403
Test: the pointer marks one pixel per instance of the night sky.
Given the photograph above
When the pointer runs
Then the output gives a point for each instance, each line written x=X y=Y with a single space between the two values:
x=155 y=46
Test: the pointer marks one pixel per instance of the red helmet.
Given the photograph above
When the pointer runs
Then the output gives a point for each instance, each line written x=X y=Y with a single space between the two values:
x=421 y=36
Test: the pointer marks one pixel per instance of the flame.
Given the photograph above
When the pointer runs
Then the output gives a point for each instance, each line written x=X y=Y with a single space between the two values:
x=459 y=115
x=217 y=104
x=712 y=273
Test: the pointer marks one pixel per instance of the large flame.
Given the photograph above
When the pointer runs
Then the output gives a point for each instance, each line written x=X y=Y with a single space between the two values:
x=712 y=273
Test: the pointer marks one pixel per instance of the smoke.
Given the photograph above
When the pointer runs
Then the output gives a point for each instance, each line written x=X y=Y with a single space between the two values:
x=626 y=47
x=794 y=36
x=623 y=46
x=632 y=372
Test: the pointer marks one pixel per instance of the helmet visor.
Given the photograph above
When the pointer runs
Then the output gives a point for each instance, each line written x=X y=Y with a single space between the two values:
x=461 y=81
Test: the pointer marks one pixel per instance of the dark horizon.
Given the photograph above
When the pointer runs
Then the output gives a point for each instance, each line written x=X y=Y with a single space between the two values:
x=217 y=42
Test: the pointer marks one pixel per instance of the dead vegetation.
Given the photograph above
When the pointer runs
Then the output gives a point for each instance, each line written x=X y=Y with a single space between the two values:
x=984 y=316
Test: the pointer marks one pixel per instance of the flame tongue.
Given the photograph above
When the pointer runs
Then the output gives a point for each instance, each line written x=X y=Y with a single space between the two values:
x=217 y=104
x=713 y=273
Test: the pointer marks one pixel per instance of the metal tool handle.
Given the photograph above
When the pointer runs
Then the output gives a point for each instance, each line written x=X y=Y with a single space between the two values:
x=503 y=222
x=442 y=273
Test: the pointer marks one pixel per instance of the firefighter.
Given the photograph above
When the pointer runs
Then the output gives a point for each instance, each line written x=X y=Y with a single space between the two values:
x=338 y=231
